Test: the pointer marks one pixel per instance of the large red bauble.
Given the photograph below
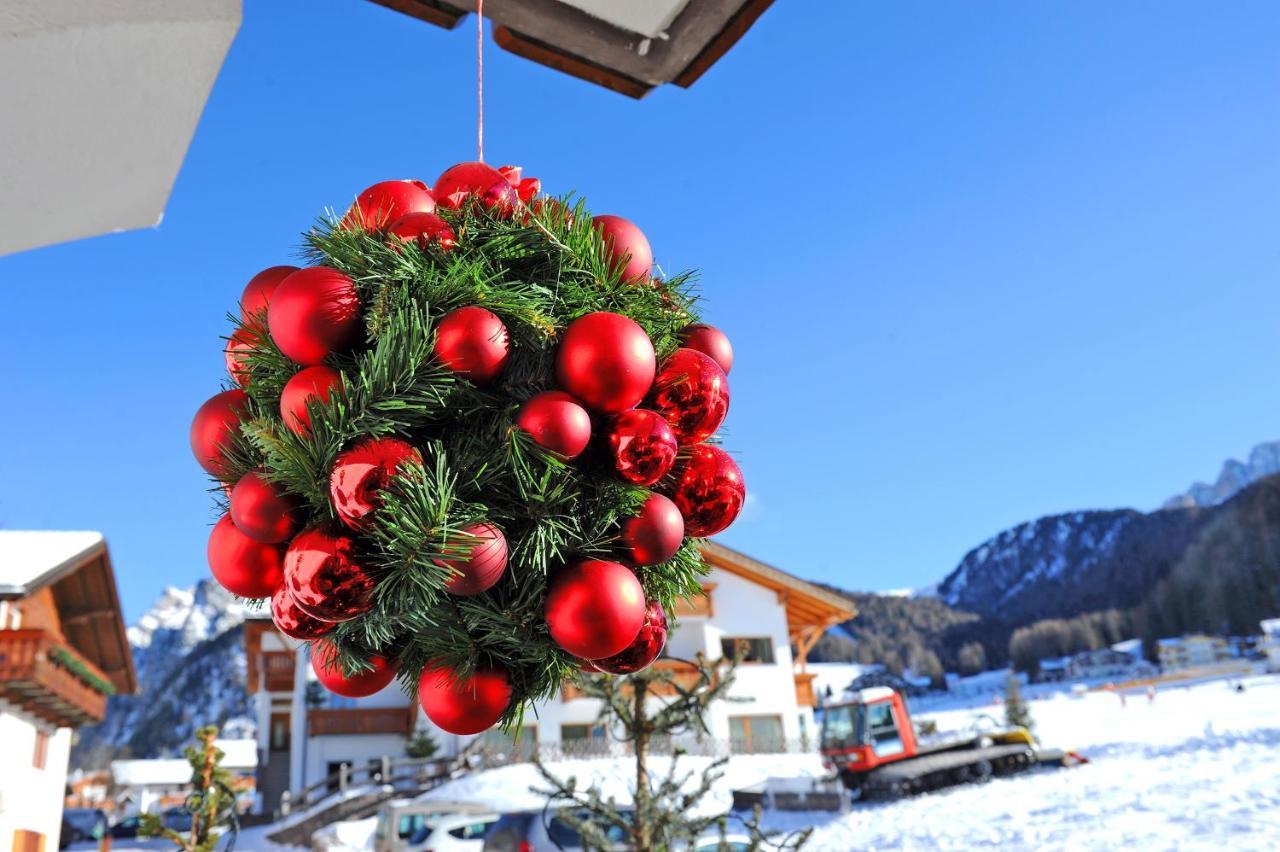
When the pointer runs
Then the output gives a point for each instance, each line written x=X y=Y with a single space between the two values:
x=423 y=229
x=313 y=383
x=710 y=341
x=314 y=313
x=361 y=472
x=214 y=427
x=642 y=445
x=626 y=244
x=655 y=534
x=556 y=422
x=709 y=490
x=473 y=343
x=466 y=180
x=641 y=653
x=324 y=662
x=262 y=510
x=292 y=621
x=464 y=705
x=484 y=565
x=324 y=578
x=238 y=347
x=595 y=608
x=241 y=565
x=607 y=361
x=692 y=393
x=385 y=202
x=257 y=293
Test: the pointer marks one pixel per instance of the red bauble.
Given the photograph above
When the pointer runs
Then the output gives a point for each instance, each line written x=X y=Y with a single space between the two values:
x=655 y=534
x=324 y=578
x=642 y=445
x=214 y=427
x=464 y=705
x=324 y=662
x=423 y=229
x=385 y=202
x=313 y=383
x=466 y=180
x=607 y=361
x=526 y=188
x=557 y=423
x=262 y=510
x=241 y=343
x=641 y=653
x=709 y=490
x=292 y=621
x=710 y=341
x=692 y=393
x=626 y=244
x=241 y=565
x=595 y=608
x=484 y=565
x=473 y=343
x=257 y=293
x=361 y=472
x=314 y=313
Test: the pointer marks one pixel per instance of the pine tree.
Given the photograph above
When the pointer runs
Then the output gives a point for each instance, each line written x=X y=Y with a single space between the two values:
x=212 y=801
x=421 y=745
x=1016 y=712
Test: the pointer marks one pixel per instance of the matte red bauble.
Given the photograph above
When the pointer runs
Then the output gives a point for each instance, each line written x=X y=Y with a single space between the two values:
x=627 y=245
x=313 y=383
x=361 y=472
x=710 y=341
x=642 y=445
x=641 y=653
x=464 y=705
x=655 y=534
x=324 y=578
x=484 y=564
x=692 y=393
x=385 y=202
x=262 y=510
x=292 y=621
x=314 y=313
x=595 y=608
x=556 y=422
x=257 y=293
x=241 y=565
x=214 y=428
x=238 y=347
x=473 y=343
x=467 y=180
x=424 y=229
x=607 y=361
x=709 y=491
x=324 y=662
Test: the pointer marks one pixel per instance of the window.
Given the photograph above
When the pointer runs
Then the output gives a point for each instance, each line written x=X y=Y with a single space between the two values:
x=755 y=734
x=523 y=748
x=577 y=733
x=882 y=729
x=471 y=831
x=27 y=841
x=755 y=649
x=41 y=755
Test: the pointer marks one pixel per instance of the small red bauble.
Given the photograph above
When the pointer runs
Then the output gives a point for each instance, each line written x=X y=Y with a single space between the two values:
x=241 y=565
x=526 y=188
x=214 y=427
x=487 y=559
x=314 y=313
x=361 y=472
x=466 y=180
x=324 y=578
x=292 y=621
x=595 y=608
x=692 y=393
x=641 y=653
x=655 y=534
x=385 y=202
x=626 y=244
x=642 y=445
x=324 y=662
x=313 y=383
x=262 y=510
x=556 y=422
x=607 y=361
x=709 y=490
x=424 y=229
x=473 y=343
x=710 y=341
x=257 y=293
x=241 y=343
x=464 y=705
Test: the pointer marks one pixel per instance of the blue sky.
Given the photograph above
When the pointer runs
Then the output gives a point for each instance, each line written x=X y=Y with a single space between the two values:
x=980 y=261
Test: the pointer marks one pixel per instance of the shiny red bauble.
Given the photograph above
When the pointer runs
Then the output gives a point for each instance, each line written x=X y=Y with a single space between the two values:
x=642 y=446
x=385 y=202
x=692 y=393
x=556 y=422
x=473 y=343
x=325 y=578
x=594 y=608
x=238 y=347
x=475 y=180
x=262 y=510
x=607 y=361
x=709 y=490
x=464 y=705
x=361 y=472
x=655 y=534
x=214 y=427
x=425 y=229
x=641 y=653
x=312 y=384
x=241 y=565
x=257 y=293
x=710 y=341
x=627 y=246
x=526 y=188
x=324 y=662
x=482 y=566
x=314 y=313
x=292 y=621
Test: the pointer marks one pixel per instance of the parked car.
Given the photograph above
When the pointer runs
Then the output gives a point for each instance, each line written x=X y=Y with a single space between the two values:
x=732 y=843
x=178 y=819
x=408 y=826
x=127 y=827
x=80 y=824
x=541 y=831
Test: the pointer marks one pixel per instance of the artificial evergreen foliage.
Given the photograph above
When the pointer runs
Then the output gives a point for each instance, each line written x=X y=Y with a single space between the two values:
x=211 y=803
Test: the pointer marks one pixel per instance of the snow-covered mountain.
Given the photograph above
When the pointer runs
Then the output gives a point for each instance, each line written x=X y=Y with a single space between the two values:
x=1264 y=460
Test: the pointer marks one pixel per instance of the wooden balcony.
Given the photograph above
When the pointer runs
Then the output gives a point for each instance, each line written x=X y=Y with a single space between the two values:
x=277 y=667
x=805 y=696
x=362 y=720
x=699 y=606
x=38 y=674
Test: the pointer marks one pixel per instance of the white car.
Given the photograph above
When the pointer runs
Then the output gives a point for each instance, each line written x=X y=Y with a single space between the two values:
x=431 y=827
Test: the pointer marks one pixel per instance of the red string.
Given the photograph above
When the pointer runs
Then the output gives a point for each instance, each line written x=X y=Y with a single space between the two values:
x=480 y=80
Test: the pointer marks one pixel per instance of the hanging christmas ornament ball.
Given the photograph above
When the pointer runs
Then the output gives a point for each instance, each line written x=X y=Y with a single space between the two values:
x=626 y=245
x=385 y=202
x=709 y=490
x=214 y=427
x=482 y=566
x=293 y=622
x=642 y=445
x=241 y=565
x=257 y=293
x=262 y=510
x=641 y=653
x=324 y=577
x=425 y=229
x=526 y=188
x=464 y=705
x=594 y=608
x=324 y=662
x=475 y=180
x=692 y=393
x=361 y=472
x=710 y=341
x=238 y=348
x=654 y=535
x=607 y=361
x=473 y=343
x=556 y=422
x=312 y=384
x=314 y=313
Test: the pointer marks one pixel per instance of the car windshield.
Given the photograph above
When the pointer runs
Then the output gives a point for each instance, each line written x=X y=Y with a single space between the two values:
x=842 y=726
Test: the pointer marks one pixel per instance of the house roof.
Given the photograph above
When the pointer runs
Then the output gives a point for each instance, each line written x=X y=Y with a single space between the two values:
x=238 y=756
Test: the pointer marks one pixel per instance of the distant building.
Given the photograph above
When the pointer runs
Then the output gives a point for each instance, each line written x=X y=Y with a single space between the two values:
x=1271 y=643
x=1107 y=663
x=154 y=785
x=90 y=789
x=1191 y=651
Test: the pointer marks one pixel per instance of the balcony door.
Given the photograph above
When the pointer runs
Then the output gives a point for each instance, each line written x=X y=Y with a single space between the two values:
x=755 y=734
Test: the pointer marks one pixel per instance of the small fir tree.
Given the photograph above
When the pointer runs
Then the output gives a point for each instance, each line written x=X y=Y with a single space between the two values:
x=422 y=745
x=1016 y=712
x=212 y=801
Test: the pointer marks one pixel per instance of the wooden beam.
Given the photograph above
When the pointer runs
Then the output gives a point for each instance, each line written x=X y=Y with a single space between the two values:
x=440 y=14
x=723 y=41
x=575 y=66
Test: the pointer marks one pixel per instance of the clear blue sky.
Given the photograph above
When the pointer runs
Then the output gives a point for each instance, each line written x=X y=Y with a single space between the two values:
x=980 y=261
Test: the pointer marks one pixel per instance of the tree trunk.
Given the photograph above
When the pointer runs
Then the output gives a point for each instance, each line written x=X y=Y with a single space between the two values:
x=642 y=835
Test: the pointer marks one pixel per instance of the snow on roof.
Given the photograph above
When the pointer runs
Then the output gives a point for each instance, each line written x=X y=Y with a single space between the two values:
x=1132 y=647
x=1271 y=625
x=30 y=559
x=239 y=755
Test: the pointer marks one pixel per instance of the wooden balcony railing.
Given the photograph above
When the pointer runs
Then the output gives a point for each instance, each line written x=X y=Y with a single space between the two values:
x=33 y=678
x=684 y=674
x=278 y=670
x=804 y=689
x=362 y=720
